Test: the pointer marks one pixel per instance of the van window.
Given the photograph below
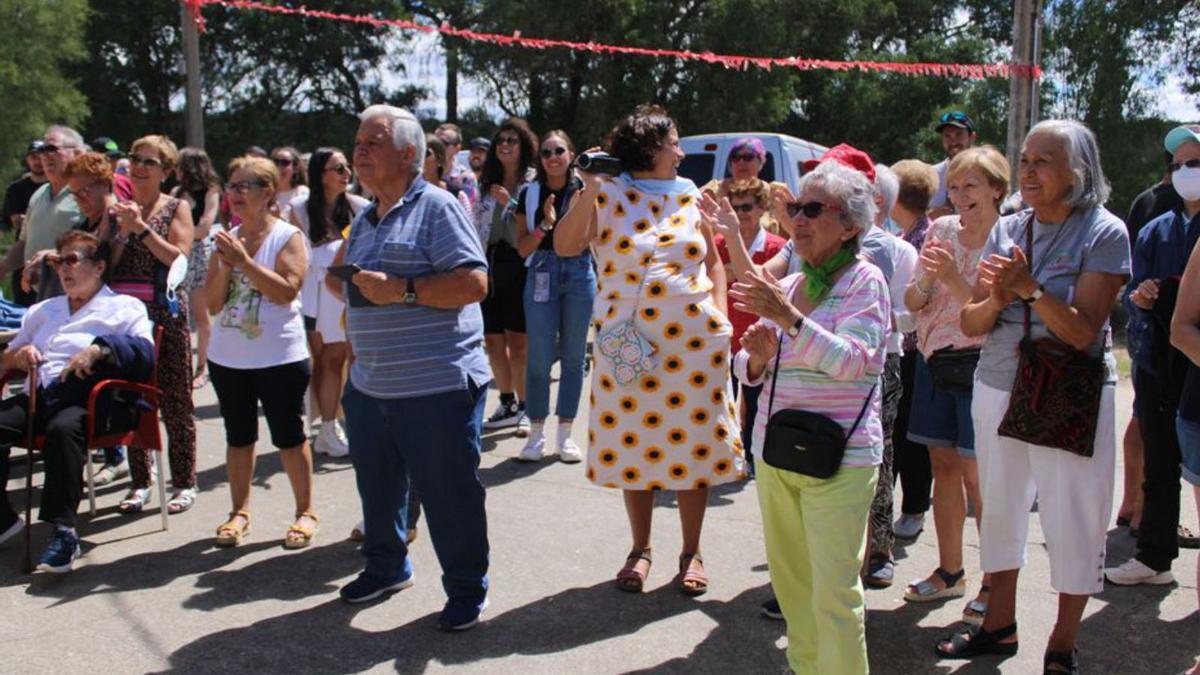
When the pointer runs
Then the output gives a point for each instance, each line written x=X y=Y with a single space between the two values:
x=767 y=173
x=698 y=167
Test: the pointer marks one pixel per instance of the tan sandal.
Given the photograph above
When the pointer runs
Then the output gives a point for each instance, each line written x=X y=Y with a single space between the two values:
x=692 y=582
x=230 y=533
x=299 y=536
x=631 y=579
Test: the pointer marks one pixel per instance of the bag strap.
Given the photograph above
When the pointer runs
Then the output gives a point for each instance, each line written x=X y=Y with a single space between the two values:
x=1029 y=259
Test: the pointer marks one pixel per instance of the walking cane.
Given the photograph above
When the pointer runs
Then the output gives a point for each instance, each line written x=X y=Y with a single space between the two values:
x=33 y=385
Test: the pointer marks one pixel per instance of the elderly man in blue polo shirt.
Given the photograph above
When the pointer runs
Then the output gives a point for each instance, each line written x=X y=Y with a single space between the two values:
x=414 y=402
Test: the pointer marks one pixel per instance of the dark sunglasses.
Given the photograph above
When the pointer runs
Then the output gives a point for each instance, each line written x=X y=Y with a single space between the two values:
x=284 y=161
x=148 y=162
x=340 y=169
x=243 y=187
x=745 y=208
x=507 y=140
x=1191 y=164
x=69 y=260
x=547 y=152
x=744 y=157
x=953 y=117
x=809 y=209
x=45 y=149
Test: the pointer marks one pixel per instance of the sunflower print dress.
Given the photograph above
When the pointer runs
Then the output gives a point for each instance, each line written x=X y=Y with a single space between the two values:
x=675 y=427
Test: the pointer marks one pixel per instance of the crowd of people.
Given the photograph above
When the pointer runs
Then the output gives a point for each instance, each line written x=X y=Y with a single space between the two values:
x=934 y=325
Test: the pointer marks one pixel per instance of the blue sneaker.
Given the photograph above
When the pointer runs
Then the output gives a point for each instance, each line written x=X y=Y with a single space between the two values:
x=366 y=588
x=61 y=553
x=460 y=615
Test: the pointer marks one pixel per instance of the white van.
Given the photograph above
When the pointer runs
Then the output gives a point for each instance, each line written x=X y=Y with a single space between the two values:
x=708 y=156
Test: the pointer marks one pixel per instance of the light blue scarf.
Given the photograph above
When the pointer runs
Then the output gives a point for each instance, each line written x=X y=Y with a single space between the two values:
x=661 y=187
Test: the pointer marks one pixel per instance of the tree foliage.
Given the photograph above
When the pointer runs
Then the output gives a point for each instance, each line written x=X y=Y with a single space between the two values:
x=37 y=41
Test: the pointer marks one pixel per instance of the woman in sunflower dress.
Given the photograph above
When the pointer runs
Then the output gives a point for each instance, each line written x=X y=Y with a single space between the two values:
x=662 y=420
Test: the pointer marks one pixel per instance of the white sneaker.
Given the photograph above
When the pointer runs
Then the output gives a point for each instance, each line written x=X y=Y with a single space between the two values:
x=523 y=425
x=110 y=473
x=534 y=449
x=319 y=444
x=909 y=526
x=1133 y=572
x=568 y=452
x=336 y=444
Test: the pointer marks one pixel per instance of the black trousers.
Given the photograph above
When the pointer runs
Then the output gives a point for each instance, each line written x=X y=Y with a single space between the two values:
x=750 y=395
x=63 y=456
x=1158 y=535
x=911 y=460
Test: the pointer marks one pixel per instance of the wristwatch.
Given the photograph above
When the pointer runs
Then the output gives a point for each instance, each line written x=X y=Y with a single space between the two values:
x=410 y=292
x=794 y=329
x=1035 y=296
x=141 y=236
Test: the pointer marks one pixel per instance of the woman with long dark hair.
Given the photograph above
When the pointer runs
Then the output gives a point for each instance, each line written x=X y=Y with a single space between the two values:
x=508 y=168
x=200 y=187
x=291 y=187
x=323 y=215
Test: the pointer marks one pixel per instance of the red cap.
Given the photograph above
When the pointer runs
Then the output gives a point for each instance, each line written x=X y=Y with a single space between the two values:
x=849 y=156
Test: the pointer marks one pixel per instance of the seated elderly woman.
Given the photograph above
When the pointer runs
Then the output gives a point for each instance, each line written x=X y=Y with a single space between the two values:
x=74 y=340
x=823 y=335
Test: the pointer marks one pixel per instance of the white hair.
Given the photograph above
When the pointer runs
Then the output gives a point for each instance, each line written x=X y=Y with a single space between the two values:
x=1091 y=188
x=887 y=186
x=406 y=130
x=854 y=194
x=68 y=135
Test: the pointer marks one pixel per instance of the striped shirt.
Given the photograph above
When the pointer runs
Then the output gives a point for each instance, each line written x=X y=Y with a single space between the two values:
x=403 y=351
x=833 y=362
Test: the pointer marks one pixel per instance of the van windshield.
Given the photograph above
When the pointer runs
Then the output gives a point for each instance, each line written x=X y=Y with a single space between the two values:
x=698 y=167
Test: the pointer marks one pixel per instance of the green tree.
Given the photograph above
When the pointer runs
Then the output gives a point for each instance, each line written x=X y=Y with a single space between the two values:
x=38 y=40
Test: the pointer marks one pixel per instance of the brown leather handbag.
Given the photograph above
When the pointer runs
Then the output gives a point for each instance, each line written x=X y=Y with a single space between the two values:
x=1055 y=400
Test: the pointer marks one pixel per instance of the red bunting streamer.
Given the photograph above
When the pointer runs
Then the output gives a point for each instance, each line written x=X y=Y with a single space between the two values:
x=971 y=71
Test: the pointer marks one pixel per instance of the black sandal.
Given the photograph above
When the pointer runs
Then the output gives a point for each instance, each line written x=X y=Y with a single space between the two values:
x=1068 y=660
x=976 y=641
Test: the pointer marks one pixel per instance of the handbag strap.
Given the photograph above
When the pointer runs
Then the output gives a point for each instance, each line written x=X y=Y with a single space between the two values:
x=1029 y=260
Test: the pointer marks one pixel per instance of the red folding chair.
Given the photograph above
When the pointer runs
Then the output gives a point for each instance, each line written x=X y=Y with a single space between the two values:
x=145 y=435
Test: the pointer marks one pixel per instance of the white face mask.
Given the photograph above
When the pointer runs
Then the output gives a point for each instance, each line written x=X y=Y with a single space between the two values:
x=1187 y=183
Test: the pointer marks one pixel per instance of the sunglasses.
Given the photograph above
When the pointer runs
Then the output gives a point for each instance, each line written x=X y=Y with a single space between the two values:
x=91 y=189
x=745 y=208
x=547 y=152
x=340 y=169
x=284 y=161
x=69 y=260
x=148 y=162
x=1191 y=164
x=744 y=157
x=809 y=209
x=507 y=140
x=953 y=117
x=242 y=187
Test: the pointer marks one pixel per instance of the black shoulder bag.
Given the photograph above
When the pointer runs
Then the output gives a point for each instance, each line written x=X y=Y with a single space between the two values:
x=802 y=441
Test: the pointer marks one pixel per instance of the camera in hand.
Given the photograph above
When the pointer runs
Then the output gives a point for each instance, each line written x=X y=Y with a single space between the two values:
x=601 y=163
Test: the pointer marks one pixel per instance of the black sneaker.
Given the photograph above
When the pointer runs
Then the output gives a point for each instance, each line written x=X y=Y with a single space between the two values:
x=366 y=588
x=505 y=416
x=771 y=610
x=459 y=615
x=61 y=553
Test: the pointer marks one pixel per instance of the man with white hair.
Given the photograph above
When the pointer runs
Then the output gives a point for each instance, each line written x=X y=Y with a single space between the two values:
x=52 y=209
x=414 y=401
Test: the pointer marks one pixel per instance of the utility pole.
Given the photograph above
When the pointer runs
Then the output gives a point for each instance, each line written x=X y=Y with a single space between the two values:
x=194 y=117
x=1022 y=97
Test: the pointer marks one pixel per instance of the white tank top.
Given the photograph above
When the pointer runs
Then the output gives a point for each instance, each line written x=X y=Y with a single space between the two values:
x=251 y=331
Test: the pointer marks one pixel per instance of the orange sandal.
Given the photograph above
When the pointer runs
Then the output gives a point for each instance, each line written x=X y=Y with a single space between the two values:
x=631 y=579
x=299 y=536
x=692 y=582
x=230 y=533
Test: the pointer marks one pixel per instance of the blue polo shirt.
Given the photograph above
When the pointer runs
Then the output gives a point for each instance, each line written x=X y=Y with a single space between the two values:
x=1162 y=250
x=403 y=351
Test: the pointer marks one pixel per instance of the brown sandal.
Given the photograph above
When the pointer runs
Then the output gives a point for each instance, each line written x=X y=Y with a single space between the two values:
x=631 y=579
x=304 y=534
x=232 y=534
x=692 y=582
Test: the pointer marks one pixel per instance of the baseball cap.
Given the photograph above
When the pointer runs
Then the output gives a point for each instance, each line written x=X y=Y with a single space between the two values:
x=847 y=155
x=955 y=119
x=1180 y=135
x=35 y=146
x=106 y=145
x=480 y=142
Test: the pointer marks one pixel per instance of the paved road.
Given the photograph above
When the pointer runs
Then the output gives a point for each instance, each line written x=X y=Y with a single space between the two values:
x=149 y=601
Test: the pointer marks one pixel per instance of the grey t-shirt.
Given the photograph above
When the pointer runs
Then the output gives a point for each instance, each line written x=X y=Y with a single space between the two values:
x=1091 y=240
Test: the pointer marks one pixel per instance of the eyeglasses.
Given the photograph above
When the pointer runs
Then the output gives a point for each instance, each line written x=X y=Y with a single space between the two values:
x=148 y=162
x=284 y=161
x=48 y=148
x=809 y=209
x=547 y=152
x=242 y=187
x=1191 y=164
x=744 y=157
x=83 y=194
x=69 y=260
x=745 y=208
x=340 y=169
x=507 y=140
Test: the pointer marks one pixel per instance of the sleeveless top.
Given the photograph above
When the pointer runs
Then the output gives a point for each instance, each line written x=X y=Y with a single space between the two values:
x=251 y=331
x=141 y=274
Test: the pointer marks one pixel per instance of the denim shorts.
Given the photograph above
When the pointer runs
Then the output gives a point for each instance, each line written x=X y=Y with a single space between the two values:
x=940 y=419
x=1189 y=448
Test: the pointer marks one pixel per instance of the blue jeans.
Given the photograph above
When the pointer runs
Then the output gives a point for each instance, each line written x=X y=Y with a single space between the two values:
x=435 y=440
x=557 y=328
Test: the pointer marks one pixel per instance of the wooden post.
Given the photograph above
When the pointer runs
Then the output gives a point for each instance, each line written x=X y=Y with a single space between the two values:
x=1022 y=98
x=194 y=116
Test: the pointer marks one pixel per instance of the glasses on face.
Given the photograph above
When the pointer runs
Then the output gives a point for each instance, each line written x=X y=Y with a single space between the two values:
x=744 y=157
x=283 y=161
x=745 y=208
x=244 y=186
x=1191 y=164
x=809 y=209
x=548 y=153
x=67 y=260
x=90 y=190
x=147 y=162
x=507 y=140
x=50 y=148
x=340 y=169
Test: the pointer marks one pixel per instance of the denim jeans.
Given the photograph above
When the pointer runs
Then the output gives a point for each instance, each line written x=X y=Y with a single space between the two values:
x=435 y=440
x=557 y=328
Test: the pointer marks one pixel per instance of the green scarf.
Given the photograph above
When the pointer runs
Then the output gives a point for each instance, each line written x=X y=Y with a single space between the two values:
x=818 y=280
